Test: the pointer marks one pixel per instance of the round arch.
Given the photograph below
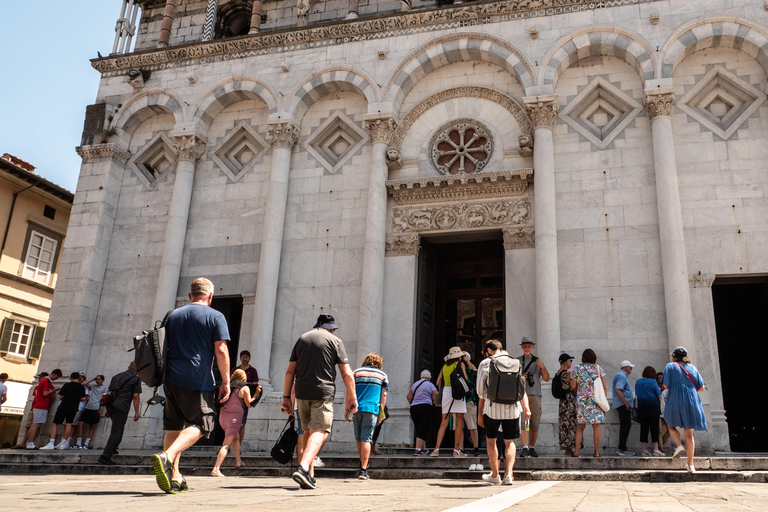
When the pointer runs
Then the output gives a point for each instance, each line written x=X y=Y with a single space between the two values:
x=230 y=91
x=596 y=41
x=714 y=33
x=142 y=107
x=329 y=81
x=445 y=50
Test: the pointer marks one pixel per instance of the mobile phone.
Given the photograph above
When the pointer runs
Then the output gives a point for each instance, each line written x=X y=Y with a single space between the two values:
x=350 y=415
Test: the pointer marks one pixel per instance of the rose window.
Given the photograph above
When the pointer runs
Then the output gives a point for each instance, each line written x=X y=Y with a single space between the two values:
x=462 y=146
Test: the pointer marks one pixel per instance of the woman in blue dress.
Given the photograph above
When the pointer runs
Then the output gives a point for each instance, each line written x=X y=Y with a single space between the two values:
x=683 y=409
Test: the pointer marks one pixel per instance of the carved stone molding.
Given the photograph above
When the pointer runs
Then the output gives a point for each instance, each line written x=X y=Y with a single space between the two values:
x=97 y=151
x=659 y=105
x=702 y=280
x=514 y=108
x=381 y=129
x=182 y=301
x=542 y=110
x=465 y=187
x=461 y=216
x=518 y=238
x=249 y=298
x=284 y=135
x=189 y=146
x=441 y=18
x=405 y=245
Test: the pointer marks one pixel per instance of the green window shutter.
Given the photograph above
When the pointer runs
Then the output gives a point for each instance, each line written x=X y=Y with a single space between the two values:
x=5 y=336
x=37 y=344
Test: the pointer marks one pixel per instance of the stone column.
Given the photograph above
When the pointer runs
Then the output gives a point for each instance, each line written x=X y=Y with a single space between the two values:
x=674 y=264
x=284 y=136
x=189 y=147
x=258 y=6
x=543 y=112
x=165 y=28
x=210 y=19
x=372 y=288
x=83 y=262
x=352 y=12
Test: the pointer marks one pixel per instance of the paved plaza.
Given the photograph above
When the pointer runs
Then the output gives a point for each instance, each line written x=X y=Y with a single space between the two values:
x=134 y=493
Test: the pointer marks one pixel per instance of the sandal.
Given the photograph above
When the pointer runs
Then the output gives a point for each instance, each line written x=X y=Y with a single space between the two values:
x=435 y=453
x=216 y=472
x=459 y=453
x=240 y=465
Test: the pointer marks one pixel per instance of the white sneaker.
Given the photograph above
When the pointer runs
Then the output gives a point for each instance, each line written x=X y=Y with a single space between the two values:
x=49 y=446
x=31 y=446
x=678 y=451
x=659 y=453
x=691 y=469
x=473 y=467
x=495 y=480
x=508 y=480
x=646 y=453
x=318 y=463
x=479 y=467
x=63 y=445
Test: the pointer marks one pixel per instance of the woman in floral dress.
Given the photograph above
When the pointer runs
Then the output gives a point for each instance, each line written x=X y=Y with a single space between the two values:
x=567 y=408
x=587 y=411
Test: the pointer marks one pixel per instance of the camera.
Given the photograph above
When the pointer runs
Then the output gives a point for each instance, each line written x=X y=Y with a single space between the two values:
x=529 y=379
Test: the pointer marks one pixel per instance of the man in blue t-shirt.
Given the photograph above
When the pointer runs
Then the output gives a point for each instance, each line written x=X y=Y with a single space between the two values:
x=371 y=387
x=196 y=336
x=622 y=402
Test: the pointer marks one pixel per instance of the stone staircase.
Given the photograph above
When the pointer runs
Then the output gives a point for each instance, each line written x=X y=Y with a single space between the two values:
x=402 y=465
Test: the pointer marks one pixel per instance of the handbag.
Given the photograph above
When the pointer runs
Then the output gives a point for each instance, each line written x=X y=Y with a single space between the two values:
x=282 y=452
x=599 y=392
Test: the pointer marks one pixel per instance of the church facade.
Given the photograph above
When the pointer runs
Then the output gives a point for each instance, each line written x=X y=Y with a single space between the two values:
x=587 y=174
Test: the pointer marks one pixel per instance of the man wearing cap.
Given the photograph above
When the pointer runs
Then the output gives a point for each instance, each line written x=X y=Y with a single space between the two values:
x=313 y=366
x=622 y=402
x=534 y=371
x=41 y=402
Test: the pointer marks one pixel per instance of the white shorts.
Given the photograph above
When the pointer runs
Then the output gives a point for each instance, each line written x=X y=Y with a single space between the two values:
x=459 y=406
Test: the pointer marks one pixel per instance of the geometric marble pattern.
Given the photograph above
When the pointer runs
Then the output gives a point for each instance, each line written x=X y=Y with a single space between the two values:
x=239 y=151
x=154 y=160
x=721 y=101
x=335 y=141
x=600 y=112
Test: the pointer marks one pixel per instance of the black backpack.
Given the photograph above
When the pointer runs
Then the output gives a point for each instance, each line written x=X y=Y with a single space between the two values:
x=459 y=385
x=282 y=452
x=150 y=353
x=505 y=380
x=557 y=386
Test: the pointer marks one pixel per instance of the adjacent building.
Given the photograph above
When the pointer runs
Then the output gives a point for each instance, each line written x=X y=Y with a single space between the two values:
x=587 y=174
x=34 y=214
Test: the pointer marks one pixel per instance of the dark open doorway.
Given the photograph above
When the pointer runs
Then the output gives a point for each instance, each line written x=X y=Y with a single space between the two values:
x=740 y=307
x=232 y=309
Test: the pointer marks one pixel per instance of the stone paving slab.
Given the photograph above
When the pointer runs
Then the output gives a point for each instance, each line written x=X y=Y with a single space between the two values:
x=132 y=493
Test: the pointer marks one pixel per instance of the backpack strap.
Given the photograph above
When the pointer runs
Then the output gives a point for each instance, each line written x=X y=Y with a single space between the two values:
x=533 y=360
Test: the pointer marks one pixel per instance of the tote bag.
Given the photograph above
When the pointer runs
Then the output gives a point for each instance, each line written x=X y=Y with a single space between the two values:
x=599 y=392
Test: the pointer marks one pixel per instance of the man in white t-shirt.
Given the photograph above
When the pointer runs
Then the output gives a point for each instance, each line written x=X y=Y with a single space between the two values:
x=92 y=410
x=3 y=389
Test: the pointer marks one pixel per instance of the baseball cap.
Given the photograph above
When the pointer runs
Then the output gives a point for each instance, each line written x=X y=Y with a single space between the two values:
x=565 y=357
x=680 y=352
x=626 y=363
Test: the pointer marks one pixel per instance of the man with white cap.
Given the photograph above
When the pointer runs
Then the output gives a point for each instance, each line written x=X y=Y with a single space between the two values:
x=622 y=402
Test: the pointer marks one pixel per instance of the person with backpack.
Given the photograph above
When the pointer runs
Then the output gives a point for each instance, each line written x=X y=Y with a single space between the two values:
x=502 y=395
x=455 y=390
x=566 y=411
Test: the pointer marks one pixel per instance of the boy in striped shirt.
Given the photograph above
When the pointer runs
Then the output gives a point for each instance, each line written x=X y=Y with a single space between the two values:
x=371 y=387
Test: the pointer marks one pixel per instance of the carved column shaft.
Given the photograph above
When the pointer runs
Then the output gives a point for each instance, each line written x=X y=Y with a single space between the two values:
x=167 y=24
x=284 y=137
x=210 y=19
x=674 y=263
x=543 y=113
x=372 y=288
x=189 y=147
x=258 y=6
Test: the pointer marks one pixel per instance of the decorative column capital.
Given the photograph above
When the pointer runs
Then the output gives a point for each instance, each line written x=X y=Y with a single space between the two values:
x=518 y=238
x=189 y=145
x=381 y=128
x=542 y=110
x=284 y=134
x=659 y=102
x=96 y=151
x=403 y=245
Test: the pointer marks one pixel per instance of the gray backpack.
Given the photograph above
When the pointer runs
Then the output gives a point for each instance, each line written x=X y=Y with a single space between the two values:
x=505 y=380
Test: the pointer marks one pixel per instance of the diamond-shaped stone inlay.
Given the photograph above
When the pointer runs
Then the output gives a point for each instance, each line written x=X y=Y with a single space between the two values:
x=600 y=112
x=239 y=151
x=154 y=161
x=721 y=101
x=335 y=141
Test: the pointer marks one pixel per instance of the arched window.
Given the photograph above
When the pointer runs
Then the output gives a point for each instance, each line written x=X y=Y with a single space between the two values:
x=234 y=19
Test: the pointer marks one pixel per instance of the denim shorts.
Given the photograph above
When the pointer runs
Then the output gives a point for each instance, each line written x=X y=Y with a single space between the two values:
x=365 y=424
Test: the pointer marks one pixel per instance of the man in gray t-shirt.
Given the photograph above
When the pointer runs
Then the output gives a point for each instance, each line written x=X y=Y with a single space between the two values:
x=534 y=371
x=313 y=367
x=92 y=412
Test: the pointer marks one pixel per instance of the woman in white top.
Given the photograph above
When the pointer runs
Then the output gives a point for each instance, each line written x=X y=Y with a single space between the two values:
x=455 y=357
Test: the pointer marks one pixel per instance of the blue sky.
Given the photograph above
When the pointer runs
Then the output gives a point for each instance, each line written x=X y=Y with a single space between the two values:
x=47 y=80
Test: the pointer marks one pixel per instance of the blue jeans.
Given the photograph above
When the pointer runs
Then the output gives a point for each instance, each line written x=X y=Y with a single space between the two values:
x=365 y=424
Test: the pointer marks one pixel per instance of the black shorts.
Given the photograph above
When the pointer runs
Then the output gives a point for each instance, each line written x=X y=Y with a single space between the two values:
x=64 y=416
x=510 y=428
x=90 y=416
x=186 y=407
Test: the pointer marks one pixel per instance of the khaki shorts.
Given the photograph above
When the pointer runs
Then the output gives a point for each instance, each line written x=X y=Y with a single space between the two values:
x=315 y=414
x=470 y=417
x=534 y=402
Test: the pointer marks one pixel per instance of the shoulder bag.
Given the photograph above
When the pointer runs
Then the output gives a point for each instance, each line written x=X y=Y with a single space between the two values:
x=417 y=388
x=599 y=393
